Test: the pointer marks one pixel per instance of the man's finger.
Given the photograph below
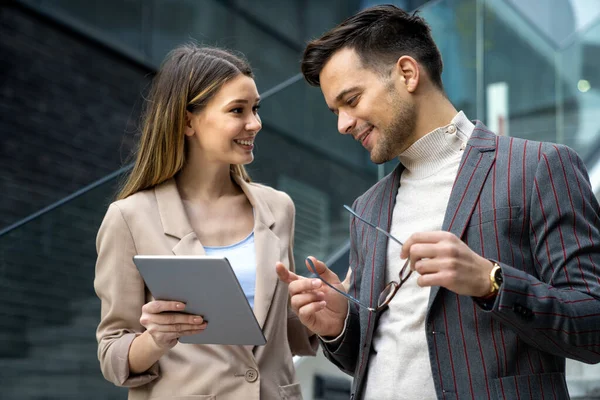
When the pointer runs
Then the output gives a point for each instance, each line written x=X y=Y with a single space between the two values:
x=304 y=285
x=309 y=310
x=433 y=279
x=425 y=266
x=300 y=300
x=423 y=237
x=319 y=268
x=284 y=274
x=422 y=250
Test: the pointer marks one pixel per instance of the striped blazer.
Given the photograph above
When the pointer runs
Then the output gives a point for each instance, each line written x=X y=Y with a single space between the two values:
x=529 y=206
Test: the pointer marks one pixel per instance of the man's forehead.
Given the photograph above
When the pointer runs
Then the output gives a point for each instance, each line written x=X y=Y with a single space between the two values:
x=340 y=63
x=341 y=71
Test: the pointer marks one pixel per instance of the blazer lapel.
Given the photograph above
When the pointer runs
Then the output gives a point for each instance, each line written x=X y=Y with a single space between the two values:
x=268 y=251
x=175 y=221
x=378 y=211
x=474 y=168
x=176 y=224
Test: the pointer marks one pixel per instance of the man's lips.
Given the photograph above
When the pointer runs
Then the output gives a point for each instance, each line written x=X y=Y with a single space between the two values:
x=362 y=136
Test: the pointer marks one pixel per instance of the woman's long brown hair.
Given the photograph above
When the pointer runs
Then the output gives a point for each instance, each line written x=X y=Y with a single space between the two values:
x=189 y=77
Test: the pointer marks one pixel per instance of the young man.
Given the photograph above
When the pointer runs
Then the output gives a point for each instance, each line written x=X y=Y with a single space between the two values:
x=504 y=284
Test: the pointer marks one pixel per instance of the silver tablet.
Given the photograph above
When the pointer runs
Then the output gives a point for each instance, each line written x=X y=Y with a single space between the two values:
x=208 y=286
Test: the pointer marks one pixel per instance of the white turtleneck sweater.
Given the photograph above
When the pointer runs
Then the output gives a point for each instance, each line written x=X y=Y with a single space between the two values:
x=399 y=364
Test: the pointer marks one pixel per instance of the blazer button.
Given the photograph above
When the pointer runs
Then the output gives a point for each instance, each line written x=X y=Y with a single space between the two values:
x=251 y=375
x=517 y=308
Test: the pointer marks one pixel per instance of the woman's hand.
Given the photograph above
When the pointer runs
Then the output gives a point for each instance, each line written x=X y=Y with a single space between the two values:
x=165 y=322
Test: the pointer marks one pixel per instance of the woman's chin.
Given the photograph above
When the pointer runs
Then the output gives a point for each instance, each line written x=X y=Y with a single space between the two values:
x=243 y=160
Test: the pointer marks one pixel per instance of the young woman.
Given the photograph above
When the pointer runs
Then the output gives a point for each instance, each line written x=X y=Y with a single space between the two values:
x=189 y=194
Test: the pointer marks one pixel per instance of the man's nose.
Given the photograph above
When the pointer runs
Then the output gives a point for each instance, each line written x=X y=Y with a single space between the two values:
x=345 y=123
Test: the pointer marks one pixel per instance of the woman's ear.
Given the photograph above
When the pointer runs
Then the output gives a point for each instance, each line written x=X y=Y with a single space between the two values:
x=189 y=130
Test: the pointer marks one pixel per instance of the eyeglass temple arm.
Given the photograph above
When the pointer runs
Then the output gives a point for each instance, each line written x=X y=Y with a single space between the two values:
x=351 y=211
x=346 y=295
x=390 y=236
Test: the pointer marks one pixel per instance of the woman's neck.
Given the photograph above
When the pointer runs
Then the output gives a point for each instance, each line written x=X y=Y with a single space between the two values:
x=205 y=183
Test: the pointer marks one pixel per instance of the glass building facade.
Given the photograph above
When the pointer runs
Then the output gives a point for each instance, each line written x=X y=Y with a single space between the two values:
x=524 y=69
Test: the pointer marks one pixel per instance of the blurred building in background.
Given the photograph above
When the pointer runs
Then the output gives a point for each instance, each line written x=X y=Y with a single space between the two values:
x=72 y=78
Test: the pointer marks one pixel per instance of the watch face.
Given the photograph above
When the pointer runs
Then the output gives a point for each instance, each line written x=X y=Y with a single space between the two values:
x=498 y=276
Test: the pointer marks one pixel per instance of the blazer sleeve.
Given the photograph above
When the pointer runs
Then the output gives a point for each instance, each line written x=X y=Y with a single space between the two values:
x=343 y=352
x=302 y=341
x=121 y=290
x=559 y=312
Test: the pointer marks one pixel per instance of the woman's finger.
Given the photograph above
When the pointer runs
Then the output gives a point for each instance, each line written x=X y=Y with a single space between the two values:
x=170 y=319
x=160 y=306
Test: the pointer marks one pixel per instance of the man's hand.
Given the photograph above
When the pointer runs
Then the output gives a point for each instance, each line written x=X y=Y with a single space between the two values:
x=318 y=307
x=442 y=259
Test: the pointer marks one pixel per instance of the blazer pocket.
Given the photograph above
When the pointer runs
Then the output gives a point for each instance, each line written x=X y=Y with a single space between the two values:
x=538 y=386
x=495 y=214
x=290 y=392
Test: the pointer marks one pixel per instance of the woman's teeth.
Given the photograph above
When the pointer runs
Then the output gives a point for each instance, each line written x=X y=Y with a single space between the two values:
x=245 y=142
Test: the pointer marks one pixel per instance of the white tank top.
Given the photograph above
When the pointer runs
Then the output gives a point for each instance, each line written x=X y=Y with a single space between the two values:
x=242 y=257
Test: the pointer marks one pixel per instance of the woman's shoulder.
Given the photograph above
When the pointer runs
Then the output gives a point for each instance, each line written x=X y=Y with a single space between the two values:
x=270 y=194
x=137 y=204
x=279 y=203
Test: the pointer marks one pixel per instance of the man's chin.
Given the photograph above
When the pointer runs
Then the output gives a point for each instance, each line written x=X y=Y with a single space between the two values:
x=380 y=158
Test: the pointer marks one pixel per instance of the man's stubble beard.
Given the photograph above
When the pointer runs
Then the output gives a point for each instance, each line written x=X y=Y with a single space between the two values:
x=393 y=138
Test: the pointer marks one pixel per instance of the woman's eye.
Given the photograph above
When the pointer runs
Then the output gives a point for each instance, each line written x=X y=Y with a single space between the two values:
x=255 y=109
x=237 y=110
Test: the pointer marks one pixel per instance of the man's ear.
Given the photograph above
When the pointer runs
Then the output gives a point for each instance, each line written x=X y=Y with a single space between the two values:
x=188 y=131
x=408 y=71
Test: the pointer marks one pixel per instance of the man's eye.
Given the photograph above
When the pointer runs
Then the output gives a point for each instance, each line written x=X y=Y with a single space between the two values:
x=352 y=100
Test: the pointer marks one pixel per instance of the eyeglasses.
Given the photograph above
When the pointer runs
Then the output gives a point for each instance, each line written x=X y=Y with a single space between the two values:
x=390 y=290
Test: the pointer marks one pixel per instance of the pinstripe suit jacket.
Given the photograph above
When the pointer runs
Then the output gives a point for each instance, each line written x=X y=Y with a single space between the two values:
x=529 y=206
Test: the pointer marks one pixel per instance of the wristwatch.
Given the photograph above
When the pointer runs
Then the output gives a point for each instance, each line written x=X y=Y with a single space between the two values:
x=496 y=278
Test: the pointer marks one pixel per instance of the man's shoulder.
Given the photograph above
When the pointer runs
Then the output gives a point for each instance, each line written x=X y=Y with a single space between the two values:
x=482 y=136
x=532 y=148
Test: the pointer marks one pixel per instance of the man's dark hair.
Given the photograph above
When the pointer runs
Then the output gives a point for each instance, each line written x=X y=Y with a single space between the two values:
x=380 y=35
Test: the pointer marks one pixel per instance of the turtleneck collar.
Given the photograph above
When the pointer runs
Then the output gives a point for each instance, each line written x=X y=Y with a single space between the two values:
x=439 y=147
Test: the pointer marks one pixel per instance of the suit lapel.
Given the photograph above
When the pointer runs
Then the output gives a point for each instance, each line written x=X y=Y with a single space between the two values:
x=176 y=224
x=378 y=211
x=175 y=221
x=474 y=168
x=268 y=251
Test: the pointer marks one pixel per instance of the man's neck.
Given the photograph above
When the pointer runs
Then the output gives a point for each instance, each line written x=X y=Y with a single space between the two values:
x=434 y=111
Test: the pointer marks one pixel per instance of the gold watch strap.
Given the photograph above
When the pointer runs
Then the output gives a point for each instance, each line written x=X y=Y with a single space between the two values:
x=495 y=286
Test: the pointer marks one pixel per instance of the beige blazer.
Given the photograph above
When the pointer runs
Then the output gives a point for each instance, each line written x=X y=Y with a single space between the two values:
x=153 y=222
